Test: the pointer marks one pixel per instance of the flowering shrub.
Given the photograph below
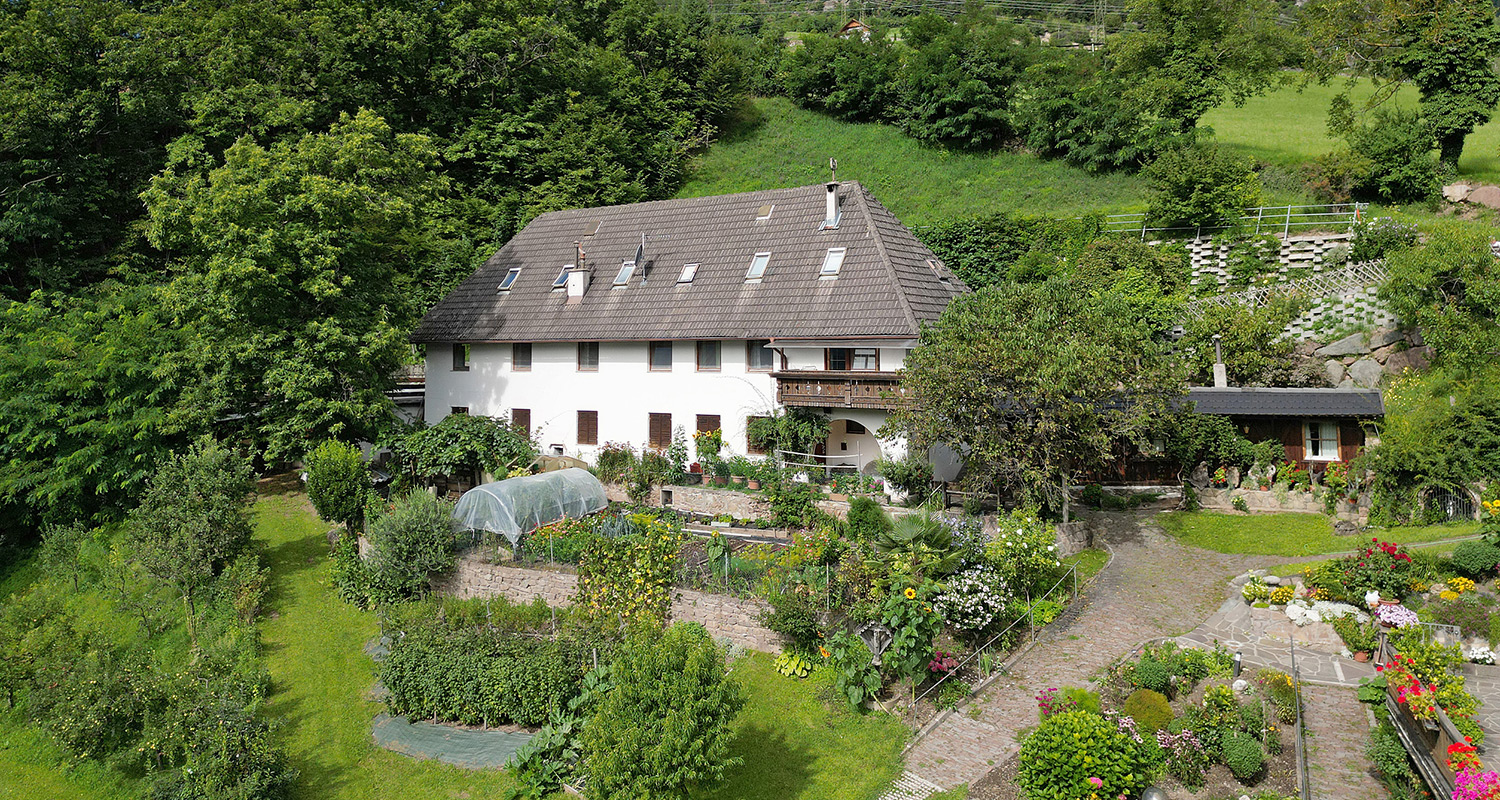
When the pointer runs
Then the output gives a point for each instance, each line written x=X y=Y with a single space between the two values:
x=1384 y=567
x=974 y=599
x=1469 y=785
x=1461 y=585
x=1068 y=748
x=1186 y=759
x=1025 y=551
x=1462 y=756
x=1419 y=698
x=942 y=663
x=1396 y=616
x=1255 y=589
x=1282 y=595
x=1049 y=704
x=1480 y=654
x=1304 y=613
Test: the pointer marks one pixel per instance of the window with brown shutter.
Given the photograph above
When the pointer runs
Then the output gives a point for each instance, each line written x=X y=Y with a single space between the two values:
x=588 y=427
x=708 y=422
x=752 y=445
x=659 y=432
x=520 y=419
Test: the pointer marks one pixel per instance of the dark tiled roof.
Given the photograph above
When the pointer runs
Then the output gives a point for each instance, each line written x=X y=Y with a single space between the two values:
x=885 y=287
x=1250 y=402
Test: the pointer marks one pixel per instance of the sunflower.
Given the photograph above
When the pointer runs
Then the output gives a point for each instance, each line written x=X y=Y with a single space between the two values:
x=911 y=594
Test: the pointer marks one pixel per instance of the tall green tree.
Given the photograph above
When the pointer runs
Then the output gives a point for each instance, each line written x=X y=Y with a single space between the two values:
x=297 y=263
x=1186 y=57
x=1035 y=384
x=1449 y=287
x=194 y=519
x=1446 y=48
x=957 y=83
x=664 y=730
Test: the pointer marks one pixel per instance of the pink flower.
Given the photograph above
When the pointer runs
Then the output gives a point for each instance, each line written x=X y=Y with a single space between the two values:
x=1097 y=783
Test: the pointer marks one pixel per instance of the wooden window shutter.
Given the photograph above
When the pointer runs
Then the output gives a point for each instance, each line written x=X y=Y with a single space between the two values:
x=588 y=427
x=520 y=419
x=708 y=422
x=659 y=435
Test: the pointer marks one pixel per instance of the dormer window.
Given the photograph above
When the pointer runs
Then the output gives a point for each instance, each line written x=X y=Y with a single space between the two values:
x=758 y=267
x=562 y=278
x=510 y=278
x=689 y=271
x=764 y=212
x=832 y=262
x=626 y=270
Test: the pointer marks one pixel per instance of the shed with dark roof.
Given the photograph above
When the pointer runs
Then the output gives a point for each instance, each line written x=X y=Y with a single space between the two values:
x=1315 y=426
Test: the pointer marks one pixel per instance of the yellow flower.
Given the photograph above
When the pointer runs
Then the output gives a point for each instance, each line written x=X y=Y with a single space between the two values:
x=911 y=594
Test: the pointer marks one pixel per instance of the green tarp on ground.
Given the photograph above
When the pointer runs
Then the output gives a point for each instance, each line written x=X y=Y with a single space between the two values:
x=461 y=747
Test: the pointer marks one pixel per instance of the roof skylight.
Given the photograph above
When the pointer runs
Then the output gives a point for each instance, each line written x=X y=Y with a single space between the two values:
x=627 y=269
x=758 y=267
x=562 y=277
x=689 y=271
x=832 y=262
x=591 y=228
x=510 y=278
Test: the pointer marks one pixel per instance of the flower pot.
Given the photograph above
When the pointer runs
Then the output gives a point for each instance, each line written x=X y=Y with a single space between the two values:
x=1362 y=656
x=739 y=480
x=719 y=480
x=752 y=484
x=1386 y=602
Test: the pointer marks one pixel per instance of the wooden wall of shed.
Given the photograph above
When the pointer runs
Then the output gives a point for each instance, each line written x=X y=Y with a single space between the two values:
x=1288 y=430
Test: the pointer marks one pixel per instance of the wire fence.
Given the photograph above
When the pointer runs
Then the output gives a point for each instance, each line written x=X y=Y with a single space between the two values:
x=1338 y=217
x=1069 y=579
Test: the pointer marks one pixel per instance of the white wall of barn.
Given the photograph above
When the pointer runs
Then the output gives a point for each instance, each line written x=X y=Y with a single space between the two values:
x=625 y=392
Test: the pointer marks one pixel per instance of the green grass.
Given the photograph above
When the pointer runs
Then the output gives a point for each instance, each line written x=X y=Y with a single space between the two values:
x=1289 y=127
x=1089 y=563
x=321 y=676
x=1298 y=567
x=780 y=145
x=1285 y=534
x=795 y=747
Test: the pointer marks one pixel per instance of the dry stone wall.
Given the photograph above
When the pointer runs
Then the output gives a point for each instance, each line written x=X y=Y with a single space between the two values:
x=725 y=617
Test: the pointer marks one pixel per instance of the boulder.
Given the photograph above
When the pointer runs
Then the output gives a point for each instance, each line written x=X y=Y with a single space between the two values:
x=1456 y=192
x=1335 y=370
x=1366 y=372
x=1487 y=196
x=1344 y=527
x=1272 y=580
x=1232 y=477
x=1200 y=476
x=1306 y=347
x=1352 y=345
x=1347 y=383
x=1384 y=337
x=1415 y=357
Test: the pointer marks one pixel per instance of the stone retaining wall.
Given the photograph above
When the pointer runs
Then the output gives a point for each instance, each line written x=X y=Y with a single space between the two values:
x=1272 y=502
x=725 y=617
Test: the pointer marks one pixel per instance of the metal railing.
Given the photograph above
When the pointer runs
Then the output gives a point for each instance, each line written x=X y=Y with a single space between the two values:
x=1324 y=284
x=819 y=463
x=1070 y=575
x=1263 y=219
x=1304 y=774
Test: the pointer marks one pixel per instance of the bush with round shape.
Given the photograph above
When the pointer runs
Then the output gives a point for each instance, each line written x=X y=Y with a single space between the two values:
x=1149 y=709
x=1477 y=559
x=1152 y=674
x=1243 y=755
x=1057 y=760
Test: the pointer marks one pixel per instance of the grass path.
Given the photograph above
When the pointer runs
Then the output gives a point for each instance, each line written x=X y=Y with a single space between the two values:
x=321 y=677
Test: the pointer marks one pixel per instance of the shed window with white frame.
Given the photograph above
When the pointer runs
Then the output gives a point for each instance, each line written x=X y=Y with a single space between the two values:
x=1320 y=440
x=562 y=278
x=832 y=262
x=758 y=267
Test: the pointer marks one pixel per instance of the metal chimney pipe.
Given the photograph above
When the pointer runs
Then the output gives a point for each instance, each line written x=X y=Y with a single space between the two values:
x=831 y=213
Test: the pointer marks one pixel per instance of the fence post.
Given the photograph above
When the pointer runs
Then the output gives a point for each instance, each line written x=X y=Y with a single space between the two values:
x=1287 y=231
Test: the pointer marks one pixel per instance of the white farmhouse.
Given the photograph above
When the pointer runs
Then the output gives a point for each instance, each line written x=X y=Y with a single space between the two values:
x=618 y=324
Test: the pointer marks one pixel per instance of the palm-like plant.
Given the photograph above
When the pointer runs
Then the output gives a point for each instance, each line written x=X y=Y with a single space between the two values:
x=921 y=542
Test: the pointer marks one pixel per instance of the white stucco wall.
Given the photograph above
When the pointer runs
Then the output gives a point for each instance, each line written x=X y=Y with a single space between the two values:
x=625 y=393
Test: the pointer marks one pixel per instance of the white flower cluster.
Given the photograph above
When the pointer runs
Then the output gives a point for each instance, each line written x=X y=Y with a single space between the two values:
x=974 y=599
x=1304 y=613
x=1480 y=654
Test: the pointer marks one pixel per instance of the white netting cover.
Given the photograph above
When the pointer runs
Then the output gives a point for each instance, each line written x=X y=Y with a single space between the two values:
x=516 y=505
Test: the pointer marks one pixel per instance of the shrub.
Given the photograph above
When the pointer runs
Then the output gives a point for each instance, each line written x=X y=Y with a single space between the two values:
x=856 y=679
x=1282 y=691
x=614 y=461
x=1082 y=699
x=338 y=483
x=1398 y=147
x=866 y=519
x=1243 y=755
x=973 y=600
x=911 y=473
x=416 y=537
x=350 y=577
x=666 y=726
x=1067 y=749
x=1201 y=185
x=794 y=617
x=1152 y=674
x=1043 y=612
x=1388 y=754
x=1476 y=559
x=465 y=446
x=1149 y=709
x=1374 y=238
x=1025 y=551
x=794 y=505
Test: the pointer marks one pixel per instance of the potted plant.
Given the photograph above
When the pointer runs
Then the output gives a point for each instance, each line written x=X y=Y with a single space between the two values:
x=721 y=473
x=739 y=470
x=752 y=479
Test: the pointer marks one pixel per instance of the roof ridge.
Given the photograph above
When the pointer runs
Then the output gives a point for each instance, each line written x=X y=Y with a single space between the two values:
x=665 y=200
x=875 y=233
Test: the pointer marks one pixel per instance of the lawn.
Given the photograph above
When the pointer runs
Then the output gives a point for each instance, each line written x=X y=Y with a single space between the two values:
x=1286 y=534
x=1289 y=127
x=781 y=145
x=314 y=645
x=795 y=747
x=1089 y=563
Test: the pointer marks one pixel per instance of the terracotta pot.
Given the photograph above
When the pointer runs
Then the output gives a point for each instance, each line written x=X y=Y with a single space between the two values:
x=1362 y=656
x=720 y=481
x=738 y=479
x=1386 y=602
x=752 y=484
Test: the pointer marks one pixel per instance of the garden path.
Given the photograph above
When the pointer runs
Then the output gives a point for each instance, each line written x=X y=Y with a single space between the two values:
x=1153 y=587
x=1338 y=728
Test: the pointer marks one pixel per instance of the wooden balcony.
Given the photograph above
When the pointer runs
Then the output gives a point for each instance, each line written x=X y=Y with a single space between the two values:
x=821 y=389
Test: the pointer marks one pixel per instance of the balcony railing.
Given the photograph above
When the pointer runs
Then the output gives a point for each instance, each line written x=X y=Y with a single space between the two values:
x=838 y=389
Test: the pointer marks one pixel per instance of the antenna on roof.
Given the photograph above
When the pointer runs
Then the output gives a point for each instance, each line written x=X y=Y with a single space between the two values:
x=833 y=170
